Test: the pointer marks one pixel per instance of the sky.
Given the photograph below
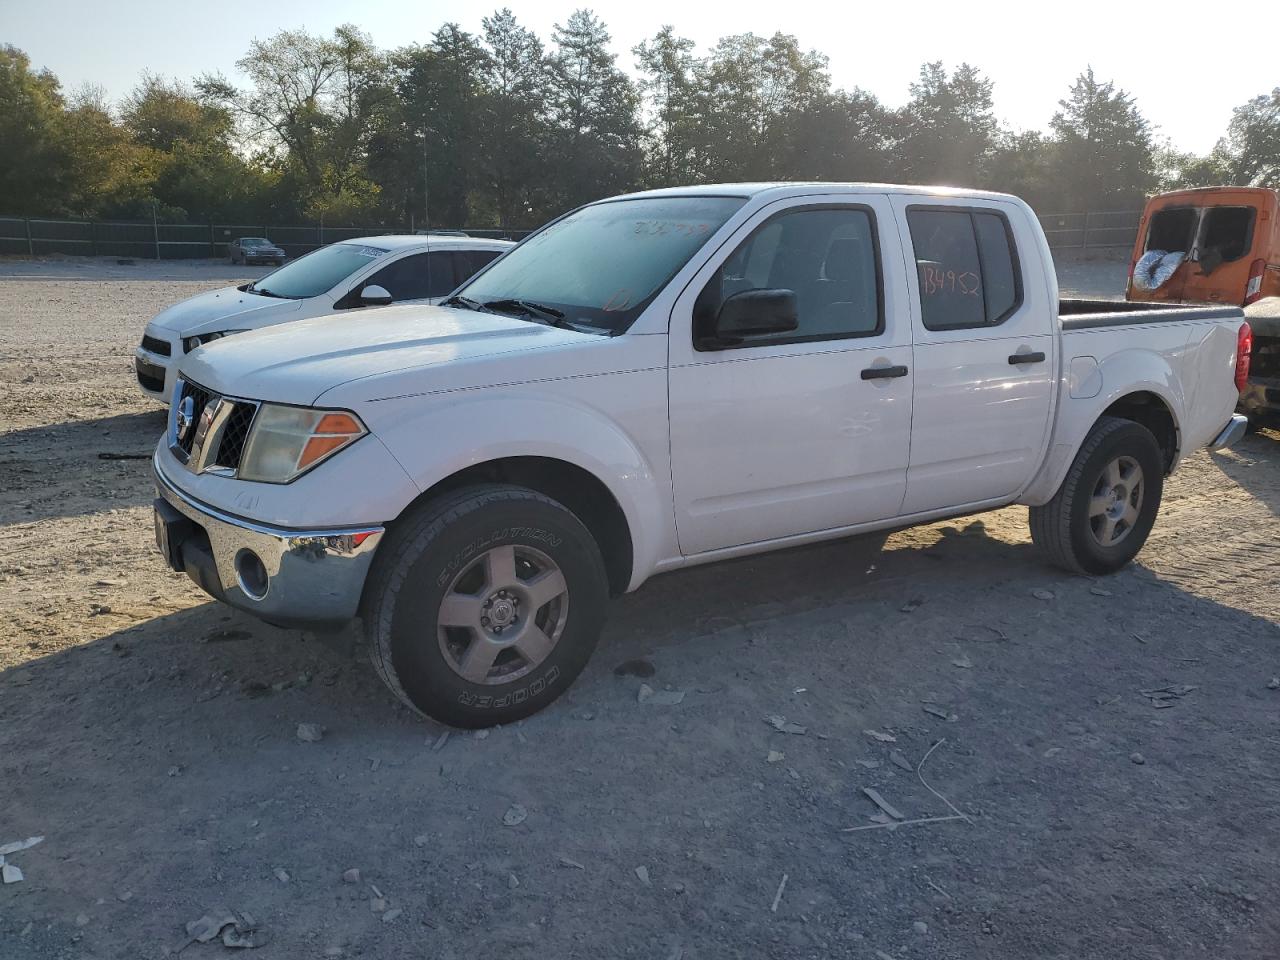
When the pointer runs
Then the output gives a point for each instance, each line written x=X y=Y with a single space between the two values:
x=1031 y=51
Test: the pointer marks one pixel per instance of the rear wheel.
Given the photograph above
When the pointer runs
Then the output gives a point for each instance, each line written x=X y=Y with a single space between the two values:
x=483 y=607
x=1101 y=515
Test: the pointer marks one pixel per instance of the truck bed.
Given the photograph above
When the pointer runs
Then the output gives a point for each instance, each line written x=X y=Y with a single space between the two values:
x=1079 y=314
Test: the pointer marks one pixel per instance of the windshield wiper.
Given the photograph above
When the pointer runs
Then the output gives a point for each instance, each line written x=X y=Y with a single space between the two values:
x=548 y=314
x=264 y=292
x=466 y=303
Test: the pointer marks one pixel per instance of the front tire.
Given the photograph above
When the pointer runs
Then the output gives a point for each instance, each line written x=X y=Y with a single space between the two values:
x=1102 y=514
x=484 y=606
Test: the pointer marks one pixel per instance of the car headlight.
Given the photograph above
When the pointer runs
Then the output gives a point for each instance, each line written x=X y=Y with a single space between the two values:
x=286 y=442
x=190 y=343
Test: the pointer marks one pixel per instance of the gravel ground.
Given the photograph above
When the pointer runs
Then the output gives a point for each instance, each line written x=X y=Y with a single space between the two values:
x=150 y=736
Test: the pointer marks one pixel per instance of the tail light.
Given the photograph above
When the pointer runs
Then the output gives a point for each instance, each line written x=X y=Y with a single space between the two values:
x=1253 y=290
x=1244 y=348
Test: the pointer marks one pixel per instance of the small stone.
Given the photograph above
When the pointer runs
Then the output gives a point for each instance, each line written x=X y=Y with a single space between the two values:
x=898 y=760
x=282 y=875
x=643 y=874
x=659 y=698
x=1137 y=758
x=1273 y=683
x=920 y=927
x=1040 y=593
x=174 y=771
x=481 y=734
x=310 y=732
x=1099 y=592
x=82 y=919
x=963 y=662
x=351 y=876
x=879 y=737
x=421 y=840
x=378 y=904
x=572 y=864
x=391 y=915
x=516 y=814
x=783 y=725
x=868 y=764
x=774 y=756
x=512 y=881
x=125 y=896
x=10 y=873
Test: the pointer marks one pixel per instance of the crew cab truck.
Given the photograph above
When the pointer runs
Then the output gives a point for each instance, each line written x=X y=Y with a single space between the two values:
x=667 y=379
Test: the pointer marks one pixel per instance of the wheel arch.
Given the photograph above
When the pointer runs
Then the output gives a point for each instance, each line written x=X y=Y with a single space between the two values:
x=580 y=491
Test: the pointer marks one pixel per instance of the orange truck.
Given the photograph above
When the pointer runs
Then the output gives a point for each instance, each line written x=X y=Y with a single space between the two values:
x=1218 y=245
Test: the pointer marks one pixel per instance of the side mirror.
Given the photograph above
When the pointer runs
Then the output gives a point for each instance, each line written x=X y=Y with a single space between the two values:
x=755 y=313
x=375 y=296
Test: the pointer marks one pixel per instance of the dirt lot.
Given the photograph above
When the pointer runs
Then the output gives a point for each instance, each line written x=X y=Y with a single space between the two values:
x=150 y=736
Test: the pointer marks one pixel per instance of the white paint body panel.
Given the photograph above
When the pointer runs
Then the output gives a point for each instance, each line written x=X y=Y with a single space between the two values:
x=234 y=309
x=718 y=454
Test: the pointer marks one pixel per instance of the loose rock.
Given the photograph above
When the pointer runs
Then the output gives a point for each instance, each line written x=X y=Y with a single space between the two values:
x=881 y=737
x=310 y=732
x=783 y=725
x=898 y=760
x=920 y=927
x=1042 y=594
x=516 y=814
x=659 y=698
x=643 y=873
x=1137 y=758
x=351 y=876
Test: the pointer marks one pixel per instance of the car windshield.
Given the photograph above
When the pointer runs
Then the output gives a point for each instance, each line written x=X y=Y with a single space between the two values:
x=601 y=265
x=317 y=272
x=254 y=242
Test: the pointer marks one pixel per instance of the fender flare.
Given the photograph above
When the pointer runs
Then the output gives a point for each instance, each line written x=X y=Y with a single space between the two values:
x=1143 y=372
x=473 y=430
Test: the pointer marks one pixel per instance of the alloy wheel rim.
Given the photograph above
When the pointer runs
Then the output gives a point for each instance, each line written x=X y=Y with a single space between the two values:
x=1116 y=502
x=502 y=615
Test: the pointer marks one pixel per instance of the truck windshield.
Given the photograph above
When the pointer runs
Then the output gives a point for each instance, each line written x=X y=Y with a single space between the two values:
x=601 y=265
x=317 y=272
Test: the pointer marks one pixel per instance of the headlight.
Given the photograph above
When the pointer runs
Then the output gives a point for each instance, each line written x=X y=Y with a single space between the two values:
x=190 y=343
x=286 y=442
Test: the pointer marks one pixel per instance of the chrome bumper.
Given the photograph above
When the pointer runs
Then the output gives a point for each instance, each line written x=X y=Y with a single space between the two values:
x=1231 y=433
x=309 y=576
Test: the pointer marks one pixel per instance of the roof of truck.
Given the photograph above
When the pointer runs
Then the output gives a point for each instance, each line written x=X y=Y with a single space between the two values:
x=804 y=188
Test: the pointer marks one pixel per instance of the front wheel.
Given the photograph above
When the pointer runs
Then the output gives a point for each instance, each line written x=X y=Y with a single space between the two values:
x=484 y=606
x=1101 y=515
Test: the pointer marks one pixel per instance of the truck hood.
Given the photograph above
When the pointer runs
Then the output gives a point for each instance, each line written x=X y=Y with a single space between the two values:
x=222 y=310
x=297 y=362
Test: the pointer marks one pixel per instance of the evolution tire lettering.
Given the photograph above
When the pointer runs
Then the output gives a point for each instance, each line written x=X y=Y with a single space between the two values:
x=517 y=696
x=504 y=535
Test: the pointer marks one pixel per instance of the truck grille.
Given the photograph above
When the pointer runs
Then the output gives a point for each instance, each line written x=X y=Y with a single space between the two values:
x=235 y=433
x=155 y=345
x=231 y=421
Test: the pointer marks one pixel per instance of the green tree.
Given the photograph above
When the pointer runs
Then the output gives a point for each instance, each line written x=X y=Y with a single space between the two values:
x=1104 y=149
x=513 y=153
x=1023 y=164
x=594 y=111
x=310 y=109
x=757 y=86
x=670 y=86
x=948 y=130
x=34 y=171
x=1250 y=152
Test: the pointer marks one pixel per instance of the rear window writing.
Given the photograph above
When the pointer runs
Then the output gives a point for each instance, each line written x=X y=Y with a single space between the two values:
x=966 y=267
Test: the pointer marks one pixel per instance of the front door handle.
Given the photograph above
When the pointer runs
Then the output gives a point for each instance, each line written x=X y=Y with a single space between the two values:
x=883 y=373
x=1036 y=357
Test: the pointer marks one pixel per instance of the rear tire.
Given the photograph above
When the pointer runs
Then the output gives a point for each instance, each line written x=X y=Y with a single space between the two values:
x=1102 y=514
x=482 y=607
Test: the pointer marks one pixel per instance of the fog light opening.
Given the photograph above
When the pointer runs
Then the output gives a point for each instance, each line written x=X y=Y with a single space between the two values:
x=251 y=574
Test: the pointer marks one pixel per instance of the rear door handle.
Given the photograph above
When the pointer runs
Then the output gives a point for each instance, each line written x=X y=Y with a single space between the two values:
x=883 y=373
x=1036 y=357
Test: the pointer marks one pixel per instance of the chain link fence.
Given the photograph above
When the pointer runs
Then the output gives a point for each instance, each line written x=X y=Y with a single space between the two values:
x=1095 y=229
x=28 y=236
x=34 y=237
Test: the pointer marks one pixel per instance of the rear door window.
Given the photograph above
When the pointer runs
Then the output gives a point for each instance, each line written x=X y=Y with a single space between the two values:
x=966 y=266
x=471 y=262
x=1226 y=234
x=1173 y=229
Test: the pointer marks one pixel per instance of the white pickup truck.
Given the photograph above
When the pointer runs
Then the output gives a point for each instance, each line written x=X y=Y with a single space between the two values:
x=668 y=379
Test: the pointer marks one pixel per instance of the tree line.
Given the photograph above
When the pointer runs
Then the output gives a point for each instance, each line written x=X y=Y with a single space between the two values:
x=502 y=129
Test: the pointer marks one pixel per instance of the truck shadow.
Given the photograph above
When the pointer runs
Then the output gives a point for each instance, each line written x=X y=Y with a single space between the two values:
x=1252 y=464
x=77 y=467
x=172 y=743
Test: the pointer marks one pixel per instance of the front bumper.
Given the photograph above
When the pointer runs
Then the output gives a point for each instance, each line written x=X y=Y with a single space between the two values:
x=1231 y=433
x=287 y=577
x=154 y=373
